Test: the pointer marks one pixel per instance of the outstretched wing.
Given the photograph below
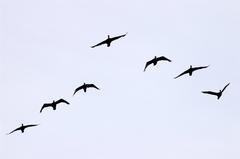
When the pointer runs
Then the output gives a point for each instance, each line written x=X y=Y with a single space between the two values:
x=210 y=92
x=26 y=126
x=92 y=85
x=77 y=89
x=185 y=72
x=117 y=37
x=101 y=43
x=148 y=63
x=198 y=68
x=62 y=101
x=14 y=130
x=225 y=87
x=45 y=105
x=163 y=58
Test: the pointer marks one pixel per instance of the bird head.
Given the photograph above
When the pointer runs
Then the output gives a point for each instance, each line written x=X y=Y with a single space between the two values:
x=190 y=66
x=108 y=36
x=22 y=124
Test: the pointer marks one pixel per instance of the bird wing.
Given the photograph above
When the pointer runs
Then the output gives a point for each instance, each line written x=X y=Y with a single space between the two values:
x=225 y=87
x=26 y=126
x=45 y=105
x=77 y=89
x=198 y=68
x=148 y=63
x=210 y=92
x=163 y=58
x=101 y=43
x=117 y=37
x=92 y=85
x=14 y=130
x=185 y=72
x=62 y=101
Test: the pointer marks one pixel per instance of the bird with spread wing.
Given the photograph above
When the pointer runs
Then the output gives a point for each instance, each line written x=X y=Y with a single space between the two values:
x=22 y=128
x=109 y=40
x=155 y=60
x=54 y=104
x=191 y=70
x=218 y=94
x=85 y=87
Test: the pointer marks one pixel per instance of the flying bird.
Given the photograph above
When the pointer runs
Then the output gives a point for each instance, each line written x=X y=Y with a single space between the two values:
x=191 y=70
x=218 y=94
x=155 y=60
x=22 y=128
x=54 y=104
x=85 y=87
x=109 y=40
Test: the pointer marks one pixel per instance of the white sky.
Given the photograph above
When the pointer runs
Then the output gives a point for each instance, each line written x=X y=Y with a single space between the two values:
x=45 y=54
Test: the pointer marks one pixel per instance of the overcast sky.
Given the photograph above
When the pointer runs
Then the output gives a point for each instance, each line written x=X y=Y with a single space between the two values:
x=45 y=54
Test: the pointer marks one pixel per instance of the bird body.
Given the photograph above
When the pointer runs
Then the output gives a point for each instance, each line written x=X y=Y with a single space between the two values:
x=85 y=87
x=22 y=128
x=155 y=60
x=191 y=70
x=54 y=104
x=218 y=94
x=109 y=40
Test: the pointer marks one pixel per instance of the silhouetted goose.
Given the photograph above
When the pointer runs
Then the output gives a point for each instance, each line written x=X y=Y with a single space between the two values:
x=155 y=60
x=218 y=94
x=53 y=104
x=109 y=40
x=191 y=70
x=84 y=87
x=22 y=128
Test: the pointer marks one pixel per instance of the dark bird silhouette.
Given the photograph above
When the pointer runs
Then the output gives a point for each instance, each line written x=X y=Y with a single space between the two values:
x=109 y=40
x=191 y=70
x=84 y=87
x=22 y=128
x=53 y=104
x=155 y=60
x=218 y=94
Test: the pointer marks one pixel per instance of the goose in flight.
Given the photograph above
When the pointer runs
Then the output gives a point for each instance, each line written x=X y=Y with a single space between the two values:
x=53 y=104
x=84 y=87
x=22 y=128
x=155 y=60
x=218 y=94
x=109 y=40
x=191 y=70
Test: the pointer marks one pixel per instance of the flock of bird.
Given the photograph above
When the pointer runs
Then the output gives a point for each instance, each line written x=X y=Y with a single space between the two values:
x=85 y=86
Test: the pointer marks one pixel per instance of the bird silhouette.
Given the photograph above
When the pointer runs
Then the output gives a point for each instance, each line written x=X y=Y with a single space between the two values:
x=54 y=104
x=109 y=40
x=22 y=128
x=155 y=60
x=85 y=87
x=218 y=94
x=191 y=70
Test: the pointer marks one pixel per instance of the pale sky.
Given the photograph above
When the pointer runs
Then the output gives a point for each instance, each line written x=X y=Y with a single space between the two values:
x=45 y=54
